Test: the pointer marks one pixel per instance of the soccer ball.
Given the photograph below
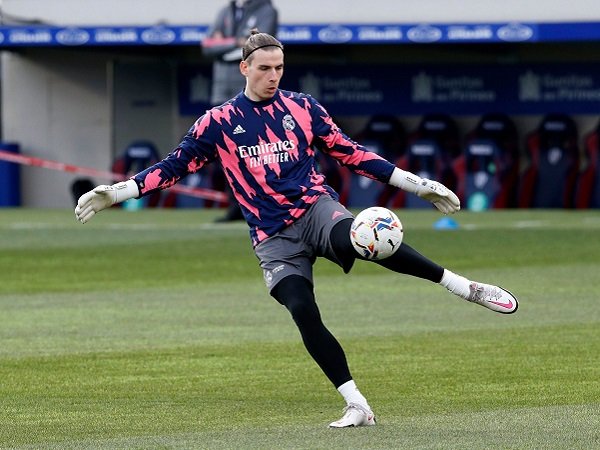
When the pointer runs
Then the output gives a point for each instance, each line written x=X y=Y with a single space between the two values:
x=376 y=233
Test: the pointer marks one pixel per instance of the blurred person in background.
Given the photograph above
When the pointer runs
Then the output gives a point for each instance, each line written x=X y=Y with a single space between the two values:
x=266 y=140
x=223 y=45
x=226 y=38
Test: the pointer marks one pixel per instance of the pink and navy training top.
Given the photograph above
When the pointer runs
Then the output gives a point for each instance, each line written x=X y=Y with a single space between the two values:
x=267 y=151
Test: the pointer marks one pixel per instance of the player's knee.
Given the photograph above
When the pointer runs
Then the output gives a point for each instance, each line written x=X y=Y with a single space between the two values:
x=304 y=313
x=342 y=247
x=296 y=294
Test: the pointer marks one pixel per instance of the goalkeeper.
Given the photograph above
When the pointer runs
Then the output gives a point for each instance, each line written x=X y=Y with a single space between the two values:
x=264 y=138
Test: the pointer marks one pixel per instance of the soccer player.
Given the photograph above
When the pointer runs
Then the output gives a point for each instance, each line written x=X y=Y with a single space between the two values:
x=265 y=139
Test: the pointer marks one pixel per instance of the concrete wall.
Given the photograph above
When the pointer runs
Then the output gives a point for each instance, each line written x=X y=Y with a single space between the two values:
x=141 y=12
x=57 y=108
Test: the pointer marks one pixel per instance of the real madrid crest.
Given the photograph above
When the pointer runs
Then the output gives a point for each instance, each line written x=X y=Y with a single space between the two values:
x=288 y=122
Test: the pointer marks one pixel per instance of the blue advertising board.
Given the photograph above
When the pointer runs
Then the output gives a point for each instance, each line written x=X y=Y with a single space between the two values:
x=391 y=33
x=420 y=89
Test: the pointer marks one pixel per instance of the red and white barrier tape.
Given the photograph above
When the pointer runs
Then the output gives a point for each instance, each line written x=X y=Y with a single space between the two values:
x=206 y=194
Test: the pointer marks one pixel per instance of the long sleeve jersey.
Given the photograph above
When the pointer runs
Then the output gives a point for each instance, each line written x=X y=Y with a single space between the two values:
x=267 y=151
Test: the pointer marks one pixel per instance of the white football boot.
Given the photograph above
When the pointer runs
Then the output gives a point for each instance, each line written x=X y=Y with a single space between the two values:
x=493 y=297
x=354 y=416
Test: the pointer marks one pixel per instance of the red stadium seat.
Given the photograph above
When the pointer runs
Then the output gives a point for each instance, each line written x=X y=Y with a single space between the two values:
x=136 y=157
x=384 y=135
x=549 y=181
x=488 y=169
x=588 y=187
x=430 y=153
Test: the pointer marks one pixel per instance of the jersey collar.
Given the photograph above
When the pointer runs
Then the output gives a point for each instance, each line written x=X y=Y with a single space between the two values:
x=261 y=103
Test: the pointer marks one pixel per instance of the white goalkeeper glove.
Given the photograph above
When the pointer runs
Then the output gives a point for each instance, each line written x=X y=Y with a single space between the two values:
x=102 y=197
x=443 y=198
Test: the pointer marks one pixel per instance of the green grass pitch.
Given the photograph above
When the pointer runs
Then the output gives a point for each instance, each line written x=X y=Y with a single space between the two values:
x=153 y=329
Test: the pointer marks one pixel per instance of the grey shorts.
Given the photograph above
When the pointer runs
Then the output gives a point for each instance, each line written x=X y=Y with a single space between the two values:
x=294 y=250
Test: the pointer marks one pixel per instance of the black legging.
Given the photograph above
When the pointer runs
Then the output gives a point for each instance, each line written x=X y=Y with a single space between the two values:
x=296 y=294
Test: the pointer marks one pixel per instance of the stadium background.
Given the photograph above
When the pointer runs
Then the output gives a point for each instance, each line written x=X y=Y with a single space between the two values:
x=154 y=329
x=67 y=98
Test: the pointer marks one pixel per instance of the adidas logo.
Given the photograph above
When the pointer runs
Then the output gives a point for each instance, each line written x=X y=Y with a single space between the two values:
x=238 y=130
